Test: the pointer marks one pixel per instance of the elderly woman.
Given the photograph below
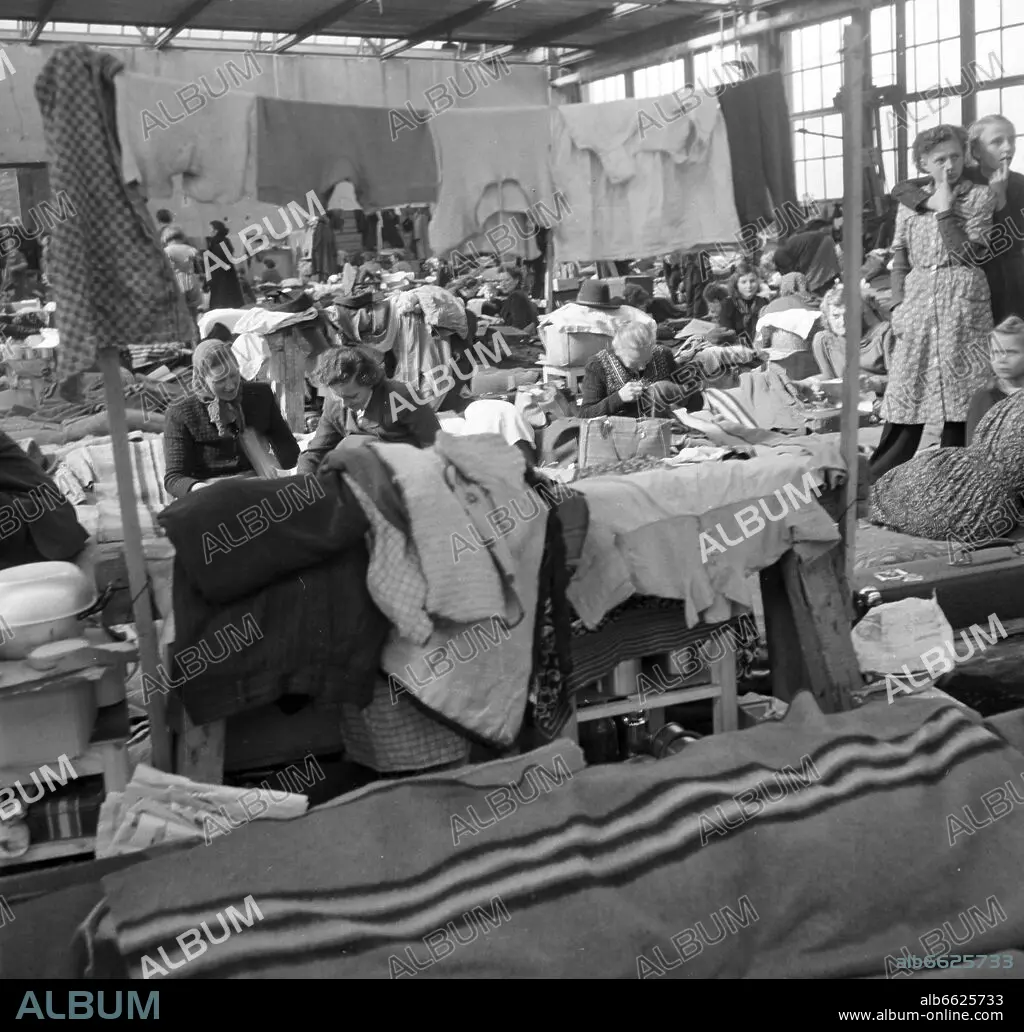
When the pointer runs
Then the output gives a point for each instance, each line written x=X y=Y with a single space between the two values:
x=636 y=377
x=201 y=438
x=364 y=405
x=942 y=312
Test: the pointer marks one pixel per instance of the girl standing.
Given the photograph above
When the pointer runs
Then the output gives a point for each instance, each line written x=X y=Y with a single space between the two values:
x=942 y=314
x=993 y=144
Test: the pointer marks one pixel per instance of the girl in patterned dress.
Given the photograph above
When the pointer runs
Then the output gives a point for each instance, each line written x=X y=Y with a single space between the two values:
x=942 y=313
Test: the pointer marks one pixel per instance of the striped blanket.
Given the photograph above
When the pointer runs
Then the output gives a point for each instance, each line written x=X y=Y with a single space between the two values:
x=818 y=846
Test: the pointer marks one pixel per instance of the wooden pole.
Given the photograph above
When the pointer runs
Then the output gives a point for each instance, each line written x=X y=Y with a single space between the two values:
x=853 y=223
x=138 y=578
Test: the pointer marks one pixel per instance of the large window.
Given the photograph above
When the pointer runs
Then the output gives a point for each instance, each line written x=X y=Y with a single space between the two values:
x=933 y=44
x=1008 y=101
x=709 y=65
x=601 y=90
x=1000 y=29
x=814 y=55
x=658 y=80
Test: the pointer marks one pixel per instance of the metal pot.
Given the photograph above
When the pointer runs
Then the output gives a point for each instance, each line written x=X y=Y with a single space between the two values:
x=40 y=603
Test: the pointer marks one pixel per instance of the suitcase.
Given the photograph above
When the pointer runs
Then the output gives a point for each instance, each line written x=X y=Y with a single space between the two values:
x=970 y=586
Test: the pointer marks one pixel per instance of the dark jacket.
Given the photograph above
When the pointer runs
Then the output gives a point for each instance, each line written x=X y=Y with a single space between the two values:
x=813 y=254
x=193 y=450
x=602 y=399
x=518 y=310
x=37 y=523
x=741 y=317
x=225 y=290
x=392 y=415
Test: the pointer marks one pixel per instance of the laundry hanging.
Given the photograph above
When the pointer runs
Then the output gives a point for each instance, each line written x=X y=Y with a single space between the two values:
x=111 y=281
x=302 y=146
x=209 y=147
x=494 y=169
x=760 y=146
x=640 y=185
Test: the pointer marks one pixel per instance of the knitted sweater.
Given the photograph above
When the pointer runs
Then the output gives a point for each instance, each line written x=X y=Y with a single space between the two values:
x=193 y=450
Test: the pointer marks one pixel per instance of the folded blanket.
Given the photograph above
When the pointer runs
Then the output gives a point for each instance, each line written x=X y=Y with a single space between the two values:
x=543 y=869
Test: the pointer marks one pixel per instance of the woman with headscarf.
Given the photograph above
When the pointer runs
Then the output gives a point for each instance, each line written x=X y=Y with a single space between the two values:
x=203 y=430
x=225 y=290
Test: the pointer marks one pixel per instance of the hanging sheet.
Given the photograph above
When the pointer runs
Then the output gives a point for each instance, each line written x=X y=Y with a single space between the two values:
x=209 y=148
x=302 y=147
x=493 y=164
x=641 y=185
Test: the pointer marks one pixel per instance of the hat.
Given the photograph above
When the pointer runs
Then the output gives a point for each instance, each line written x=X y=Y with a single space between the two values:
x=595 y=294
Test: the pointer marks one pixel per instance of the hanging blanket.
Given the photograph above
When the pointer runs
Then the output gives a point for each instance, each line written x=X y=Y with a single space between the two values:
x=637 y=188
x=109 y=276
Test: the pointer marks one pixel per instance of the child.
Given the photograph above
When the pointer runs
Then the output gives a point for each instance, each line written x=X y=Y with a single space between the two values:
x=715 y=296
x=1007 y=347
x=742 y=309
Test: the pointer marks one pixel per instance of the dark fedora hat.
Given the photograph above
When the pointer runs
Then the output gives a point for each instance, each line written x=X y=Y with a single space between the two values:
x=596 y=294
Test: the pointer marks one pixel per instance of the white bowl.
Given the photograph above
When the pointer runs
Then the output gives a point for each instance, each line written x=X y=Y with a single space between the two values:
x=39 y=603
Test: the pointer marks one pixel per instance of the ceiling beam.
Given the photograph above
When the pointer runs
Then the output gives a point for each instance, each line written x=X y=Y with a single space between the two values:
x=443 y=28
x=44 y=16
x=180 y=22
x=315 y=25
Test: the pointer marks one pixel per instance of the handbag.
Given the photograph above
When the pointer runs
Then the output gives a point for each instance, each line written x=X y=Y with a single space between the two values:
x=608 y=439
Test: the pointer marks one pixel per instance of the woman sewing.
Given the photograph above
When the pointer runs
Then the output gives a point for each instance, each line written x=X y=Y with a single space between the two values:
x=635 y=377
x=364 y=405
x=203 y=435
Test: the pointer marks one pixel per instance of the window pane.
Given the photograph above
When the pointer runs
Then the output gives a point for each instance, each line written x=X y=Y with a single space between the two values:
x=1012 y=12
x=882 y=29
x=950 y=68
x=815 y=179
x=833 y=178
x=888 y=120
x=1013 y=106
x=925 y=62
x=989 y=102
x=987 y=45
x=799 y=141
x=814 y=145
x=922 y=21
x=1013 y=50
x=832 y=83
x=833 y=125
x=812 y=90
x=889 y=161
x=949 y=19
x=987 y=15
x=796 y=100
x=883 y=69
x=811 y=39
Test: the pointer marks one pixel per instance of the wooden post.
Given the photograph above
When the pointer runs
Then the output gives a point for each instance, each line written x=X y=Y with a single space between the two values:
x=853 y=222
x=138 y=577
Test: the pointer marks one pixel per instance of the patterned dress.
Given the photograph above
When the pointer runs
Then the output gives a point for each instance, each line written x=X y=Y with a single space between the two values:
x=969 y=494
x=942 y=326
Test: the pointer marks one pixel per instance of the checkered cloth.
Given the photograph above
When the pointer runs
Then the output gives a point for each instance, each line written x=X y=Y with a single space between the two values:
x=393 y=734
x=111 y=281
x=394 y=577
